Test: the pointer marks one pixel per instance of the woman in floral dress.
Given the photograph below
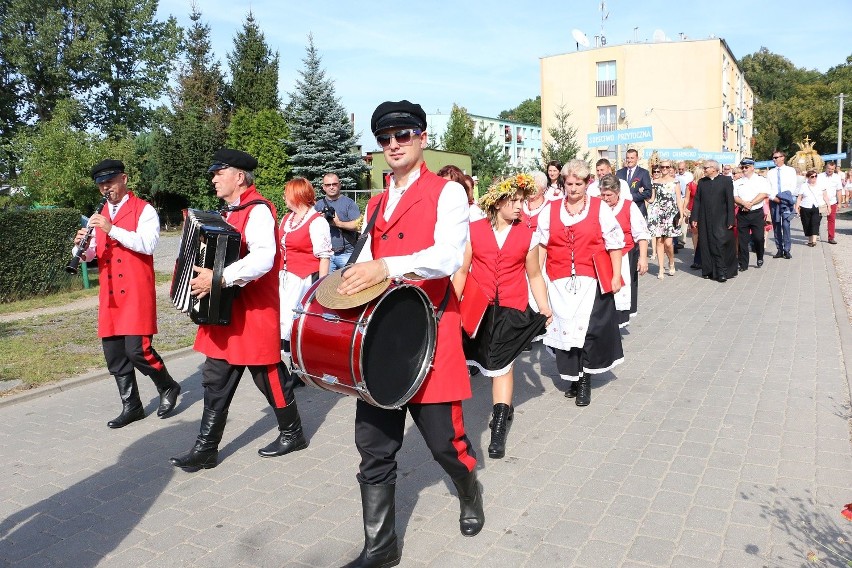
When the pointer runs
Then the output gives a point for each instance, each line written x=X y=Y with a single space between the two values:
x=665 y=207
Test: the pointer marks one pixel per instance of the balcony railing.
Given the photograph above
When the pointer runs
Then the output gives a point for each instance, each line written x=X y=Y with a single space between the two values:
x=607 y=127
x=606 y=88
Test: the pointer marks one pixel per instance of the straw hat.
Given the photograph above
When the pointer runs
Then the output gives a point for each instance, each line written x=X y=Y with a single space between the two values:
x=328 y=297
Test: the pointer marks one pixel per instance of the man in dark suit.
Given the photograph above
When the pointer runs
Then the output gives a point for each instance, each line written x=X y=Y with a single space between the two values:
x=637 y=178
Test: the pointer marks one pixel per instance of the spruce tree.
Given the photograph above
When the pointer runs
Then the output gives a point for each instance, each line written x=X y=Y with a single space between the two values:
x=321 y=133
x=254 y=70
x=189 y=134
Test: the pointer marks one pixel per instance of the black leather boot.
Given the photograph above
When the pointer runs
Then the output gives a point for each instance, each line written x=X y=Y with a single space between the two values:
x=499 y=430
x=205 y=453
x=572 y=389
x=131 y=407
x=472 y=517
x=169 y=390
x=511 y=415
x=380 y=545
x=290 y=437
x=584 y=390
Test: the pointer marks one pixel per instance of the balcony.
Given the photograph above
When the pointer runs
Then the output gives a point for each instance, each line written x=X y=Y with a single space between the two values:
x=606 y=88
x=607 y=127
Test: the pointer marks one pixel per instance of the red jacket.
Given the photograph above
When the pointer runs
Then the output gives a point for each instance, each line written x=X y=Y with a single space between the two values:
x=587 y=241
x=127 y=298
x=253 y=336
x=501 y=272
x=411 y=229
x=297 y=249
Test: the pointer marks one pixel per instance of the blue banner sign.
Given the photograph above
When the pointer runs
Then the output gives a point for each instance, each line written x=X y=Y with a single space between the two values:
x=826 y=158
x=690 y=154
x=630 y=135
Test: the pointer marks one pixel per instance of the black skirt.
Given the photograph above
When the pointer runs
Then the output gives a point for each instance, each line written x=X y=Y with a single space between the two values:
x=503 y=335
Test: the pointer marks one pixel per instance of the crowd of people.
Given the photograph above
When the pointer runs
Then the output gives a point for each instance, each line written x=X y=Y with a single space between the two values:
x=554 y=257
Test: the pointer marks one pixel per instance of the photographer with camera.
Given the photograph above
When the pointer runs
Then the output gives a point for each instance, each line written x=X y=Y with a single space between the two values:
x=342 y=215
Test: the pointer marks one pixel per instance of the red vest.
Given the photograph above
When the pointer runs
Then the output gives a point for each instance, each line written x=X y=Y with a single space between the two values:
x=297 y=249
x=587 y=241
x=623 y=217
x=501 y=272
x=253 y=336
x=127 y=298
x=411 y=229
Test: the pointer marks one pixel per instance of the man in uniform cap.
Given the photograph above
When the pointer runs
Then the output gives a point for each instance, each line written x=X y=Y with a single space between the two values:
x=421 y=228
x=251 y=339
x=749 y=193
x=126 y=233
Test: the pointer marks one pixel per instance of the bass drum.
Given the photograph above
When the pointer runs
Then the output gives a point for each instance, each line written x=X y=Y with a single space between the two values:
x=380 y=351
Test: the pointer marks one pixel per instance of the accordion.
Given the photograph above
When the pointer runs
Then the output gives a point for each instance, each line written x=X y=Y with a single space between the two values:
x=210 y=242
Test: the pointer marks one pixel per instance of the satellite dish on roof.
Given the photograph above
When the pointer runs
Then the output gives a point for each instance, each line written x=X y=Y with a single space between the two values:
x=659 y=35
x=580 y=38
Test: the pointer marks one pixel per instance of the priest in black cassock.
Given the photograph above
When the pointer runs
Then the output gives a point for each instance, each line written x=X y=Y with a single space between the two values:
x=713 y=216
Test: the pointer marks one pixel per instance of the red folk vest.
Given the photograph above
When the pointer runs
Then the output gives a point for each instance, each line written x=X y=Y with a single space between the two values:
x=623 y=217
x=253 y=336
x=501 y=272
x=296 y=247
x=587 y=241
x=411 y=229
x=127 y=298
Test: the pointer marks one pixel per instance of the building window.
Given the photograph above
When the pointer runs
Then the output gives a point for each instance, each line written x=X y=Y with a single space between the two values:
x=605 y=86
x=607 y=118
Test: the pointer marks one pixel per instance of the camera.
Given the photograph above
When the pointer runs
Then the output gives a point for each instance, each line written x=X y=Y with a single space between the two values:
x=328 y=213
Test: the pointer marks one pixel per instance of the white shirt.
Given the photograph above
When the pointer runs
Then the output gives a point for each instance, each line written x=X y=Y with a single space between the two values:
x=684 y=179
x=610 y=228
x=623 y=190
x=260 y=239
x=831 y=184
x=319 y=231
x=476 y=213
x=553 y=192
x=812 y=195
x=144 y=239
x=451 y=234
x=747 y=188
x=789 y=180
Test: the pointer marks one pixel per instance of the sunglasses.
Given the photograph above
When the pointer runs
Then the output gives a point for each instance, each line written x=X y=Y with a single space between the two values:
x=330 y=184
x=812 y=176
x=402 y=137
x=665 y=167
x=776 y=157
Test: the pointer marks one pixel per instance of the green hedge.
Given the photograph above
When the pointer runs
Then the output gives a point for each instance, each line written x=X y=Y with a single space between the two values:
x=35 y=247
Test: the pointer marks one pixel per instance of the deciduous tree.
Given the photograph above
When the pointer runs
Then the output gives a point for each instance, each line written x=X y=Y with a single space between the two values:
x=528 y=112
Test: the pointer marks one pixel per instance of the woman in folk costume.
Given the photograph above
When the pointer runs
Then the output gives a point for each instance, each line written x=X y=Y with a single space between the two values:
x=305 y=250
x=635 y=251
x=499 y=257
x=581 y=240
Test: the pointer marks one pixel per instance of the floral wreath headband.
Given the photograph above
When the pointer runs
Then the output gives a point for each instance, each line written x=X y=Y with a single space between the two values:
x=507 y=187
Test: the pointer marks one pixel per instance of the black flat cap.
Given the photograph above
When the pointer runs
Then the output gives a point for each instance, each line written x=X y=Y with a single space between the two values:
x=228 y=158
x=106 y=170
x=392 y=114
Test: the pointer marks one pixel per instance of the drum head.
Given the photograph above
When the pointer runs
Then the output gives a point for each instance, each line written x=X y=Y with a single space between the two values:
x=398 y=346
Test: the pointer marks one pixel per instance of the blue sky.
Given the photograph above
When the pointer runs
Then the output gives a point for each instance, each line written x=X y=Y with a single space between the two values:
x=485 y=55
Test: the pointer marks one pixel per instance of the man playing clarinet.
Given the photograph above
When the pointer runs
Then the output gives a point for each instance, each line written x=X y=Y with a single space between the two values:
x=126 y=233
x=252 y=338
x=421 y=228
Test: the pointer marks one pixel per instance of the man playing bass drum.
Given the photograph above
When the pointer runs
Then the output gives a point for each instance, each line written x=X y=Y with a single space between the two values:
x=126 y=233
x=421 y=227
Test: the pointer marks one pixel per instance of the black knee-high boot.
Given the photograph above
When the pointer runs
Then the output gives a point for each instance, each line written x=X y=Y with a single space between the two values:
x=499 y=430
x=205 y=453
x=584 y=390
x=131 y=406
x=472 y=517
x=169 y=390
x=290 y=437
x=380 y=545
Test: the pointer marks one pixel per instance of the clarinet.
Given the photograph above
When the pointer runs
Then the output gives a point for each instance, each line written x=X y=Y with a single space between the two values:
x=84 y=244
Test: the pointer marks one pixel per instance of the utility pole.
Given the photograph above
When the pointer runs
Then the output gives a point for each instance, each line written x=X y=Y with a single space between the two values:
x=840 y=128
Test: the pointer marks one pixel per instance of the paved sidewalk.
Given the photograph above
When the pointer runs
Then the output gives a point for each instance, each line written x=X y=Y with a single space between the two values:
x=723 y=441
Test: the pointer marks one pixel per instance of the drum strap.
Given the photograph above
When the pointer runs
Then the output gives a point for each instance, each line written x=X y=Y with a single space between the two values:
x=444 y=302
x=231 y=208
x=362 y=240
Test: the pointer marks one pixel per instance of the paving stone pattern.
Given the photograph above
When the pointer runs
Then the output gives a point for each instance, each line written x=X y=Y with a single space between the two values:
x=723 y=441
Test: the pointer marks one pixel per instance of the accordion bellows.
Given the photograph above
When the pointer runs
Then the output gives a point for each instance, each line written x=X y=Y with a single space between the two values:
x=210 y=242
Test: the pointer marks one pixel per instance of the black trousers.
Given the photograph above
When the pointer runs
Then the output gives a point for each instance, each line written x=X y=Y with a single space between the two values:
x=123 y=353
x=750 y=228
x=379 y=433
x=810 y=220
x=220 y=380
